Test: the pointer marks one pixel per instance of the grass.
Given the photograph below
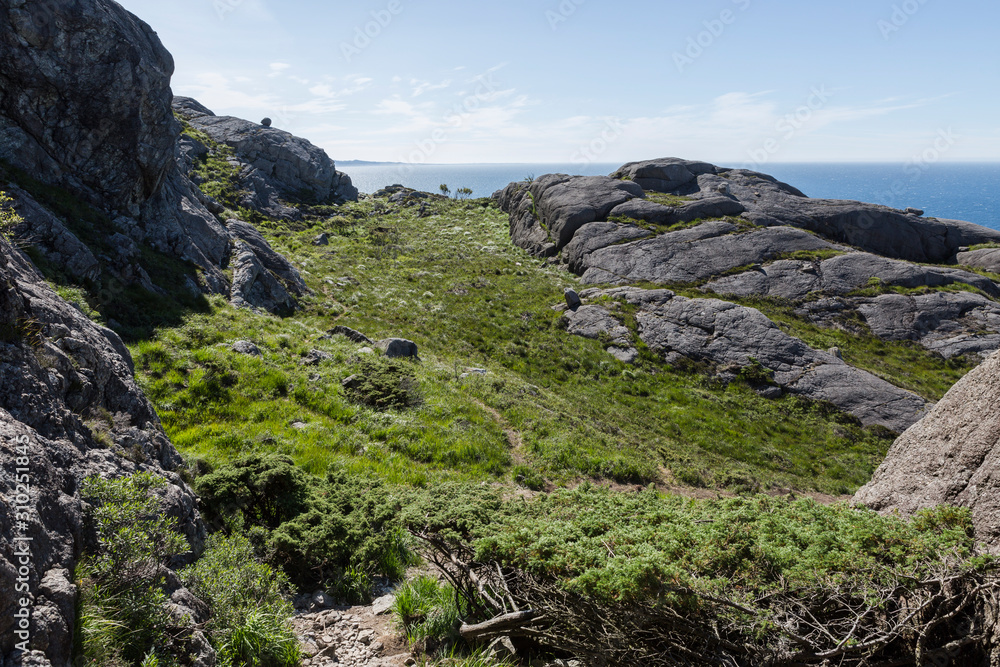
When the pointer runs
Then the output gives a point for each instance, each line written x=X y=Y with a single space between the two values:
x=667 y=199
x=556 y=404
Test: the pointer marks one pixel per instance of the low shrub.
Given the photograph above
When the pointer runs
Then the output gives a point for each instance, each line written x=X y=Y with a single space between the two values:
x=337 y=532
x=122 y=616
x=384 y=383
x=250 y=616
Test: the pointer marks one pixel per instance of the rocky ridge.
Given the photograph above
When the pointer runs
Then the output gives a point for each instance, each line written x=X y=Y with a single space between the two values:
x=739 y=234
x=275 y=166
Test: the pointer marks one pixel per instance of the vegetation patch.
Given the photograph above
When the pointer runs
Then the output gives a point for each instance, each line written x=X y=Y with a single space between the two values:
x=469 y=299
x=336 y=533
x=123 y=617
x=770 y=580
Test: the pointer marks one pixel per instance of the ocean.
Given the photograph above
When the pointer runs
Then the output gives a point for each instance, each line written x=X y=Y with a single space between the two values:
x=958 y=191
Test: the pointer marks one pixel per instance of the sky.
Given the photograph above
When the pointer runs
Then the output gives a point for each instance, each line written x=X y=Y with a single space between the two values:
x=736 y=82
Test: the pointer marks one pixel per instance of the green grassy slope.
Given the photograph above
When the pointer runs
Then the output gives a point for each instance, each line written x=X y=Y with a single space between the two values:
x=551 y=406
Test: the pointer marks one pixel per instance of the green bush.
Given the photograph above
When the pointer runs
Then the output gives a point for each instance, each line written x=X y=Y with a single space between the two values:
x=250 y=616
x=122 y=617
x=337 y=533
x=384 y=383
x=620 y=547
x=9 y=219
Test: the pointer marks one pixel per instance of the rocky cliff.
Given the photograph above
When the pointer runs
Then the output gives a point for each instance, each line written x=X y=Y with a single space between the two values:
x=92 y=156
x=949 y=457
x=69 y=408
x=86 y=106
x=741 y=235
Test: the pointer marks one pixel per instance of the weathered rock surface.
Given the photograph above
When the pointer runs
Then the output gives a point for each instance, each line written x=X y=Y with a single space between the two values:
x=728 y=335
x=397 y=348
x=68 y=397
x=690 y=255
x=547 y=213
x=290 y=166
x=86 y=105
x=255 y=286
x=796 y=279
x=56 y=243
x=987 y=259
x=949 y=457
x=85 y=99
x=950 y=323
x=742 y=234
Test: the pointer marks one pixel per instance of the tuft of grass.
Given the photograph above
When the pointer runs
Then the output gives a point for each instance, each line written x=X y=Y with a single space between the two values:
x=675 y=201
x=427 y=612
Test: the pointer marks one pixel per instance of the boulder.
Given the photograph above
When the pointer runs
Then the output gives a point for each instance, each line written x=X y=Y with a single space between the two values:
x=246 y=347
x=254 y=286
x=572 y=298
x=272 y=261
x=664 y=175
x=396 y=348
x=350 y=334
x=949 y=457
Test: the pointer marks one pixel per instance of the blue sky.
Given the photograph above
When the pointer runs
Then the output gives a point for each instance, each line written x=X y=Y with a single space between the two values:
x=736 y=82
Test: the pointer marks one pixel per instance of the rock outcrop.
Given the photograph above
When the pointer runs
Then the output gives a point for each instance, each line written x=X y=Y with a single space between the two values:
x=949 y=457
x=274 y=164
x=69 y=408
x=731 y=337
x=769 y=202
x=86 y=105
x=738 y=234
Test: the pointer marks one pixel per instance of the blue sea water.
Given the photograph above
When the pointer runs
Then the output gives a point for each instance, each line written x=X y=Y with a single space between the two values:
x=958 y=191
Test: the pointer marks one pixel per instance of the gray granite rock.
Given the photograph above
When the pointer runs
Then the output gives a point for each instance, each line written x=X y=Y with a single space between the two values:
x=664 y=175
x=272 y=261
x=46 y=232
x=692 y=255
x=950 y=323
x=350 y=334
x=298 y=170
x=795 y=279
x=949 y=457
x=85 y=105
x=254 y=286
x=985 y=258
x=726 y=335
x=396 y=348
x=59 y=375
x=596 y=322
